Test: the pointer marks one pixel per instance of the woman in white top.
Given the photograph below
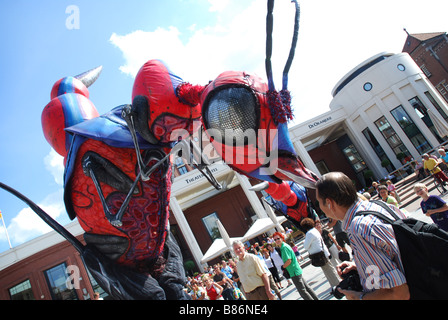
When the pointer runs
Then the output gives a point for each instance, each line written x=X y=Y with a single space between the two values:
x=272 y=268
x=278 y=261
x=314 y=244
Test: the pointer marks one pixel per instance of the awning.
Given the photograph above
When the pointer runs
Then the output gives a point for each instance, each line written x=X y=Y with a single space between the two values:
x=261 y=226
x=439 y=123
x=217 y=248
x=224 y=244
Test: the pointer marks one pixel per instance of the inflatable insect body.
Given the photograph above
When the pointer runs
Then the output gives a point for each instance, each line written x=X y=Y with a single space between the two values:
x=118 y=175
x=118 y=169
x=242 y=103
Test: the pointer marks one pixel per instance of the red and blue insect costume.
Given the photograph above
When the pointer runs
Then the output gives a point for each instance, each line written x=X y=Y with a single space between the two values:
x=117 y=182
x=242 y=102
x=118 y=176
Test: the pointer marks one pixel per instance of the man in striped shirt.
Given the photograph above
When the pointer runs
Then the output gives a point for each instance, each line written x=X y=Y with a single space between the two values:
x=375 y=250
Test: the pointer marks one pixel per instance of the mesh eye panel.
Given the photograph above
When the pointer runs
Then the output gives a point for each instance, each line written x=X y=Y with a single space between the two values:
x=233 y=109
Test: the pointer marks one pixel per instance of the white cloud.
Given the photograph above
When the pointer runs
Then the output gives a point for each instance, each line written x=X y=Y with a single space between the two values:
x=54 y=163
x=140 y=46
x=334 y=37
x=27 y=224
x=236 y=44
x=218 y=5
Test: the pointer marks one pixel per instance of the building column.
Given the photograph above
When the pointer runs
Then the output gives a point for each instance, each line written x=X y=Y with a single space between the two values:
x=273 y=217
x=372 y=157
x=186 y=230
x=305 y=157
x=251 y=196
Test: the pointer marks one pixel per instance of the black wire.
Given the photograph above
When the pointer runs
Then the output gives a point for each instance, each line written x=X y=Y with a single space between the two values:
x=293 y=46
x=44 y=216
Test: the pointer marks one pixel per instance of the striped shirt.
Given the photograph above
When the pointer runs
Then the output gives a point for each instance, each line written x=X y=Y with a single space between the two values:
x=375 y=249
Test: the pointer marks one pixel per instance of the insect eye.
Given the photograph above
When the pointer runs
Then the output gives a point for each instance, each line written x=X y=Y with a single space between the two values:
x=232 y=113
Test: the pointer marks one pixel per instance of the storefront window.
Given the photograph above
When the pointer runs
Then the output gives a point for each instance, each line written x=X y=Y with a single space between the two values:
x=391 y=137
x=435 y=104
x=411 y=130
x=22 y=291
x=96 y=287
x=422 y=112
x=378 y=149
x=354 y=158
x=56 y=280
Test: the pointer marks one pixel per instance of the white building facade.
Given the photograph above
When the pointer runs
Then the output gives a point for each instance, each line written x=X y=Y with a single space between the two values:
x=387 y=108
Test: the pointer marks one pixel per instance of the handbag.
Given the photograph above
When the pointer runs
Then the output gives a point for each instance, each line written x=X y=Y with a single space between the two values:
x=344 y=256
x=318 y=259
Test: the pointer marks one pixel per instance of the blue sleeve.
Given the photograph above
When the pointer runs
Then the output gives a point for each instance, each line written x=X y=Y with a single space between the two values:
x=439 y=202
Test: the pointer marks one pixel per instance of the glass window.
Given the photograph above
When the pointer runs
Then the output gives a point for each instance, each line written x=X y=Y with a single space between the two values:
x=367 y=86
x=56 y=280
x=443 y=89
x=435 y=104
x=180 y=165
x=354 y=157
x=425 y=71
x=322 y=167
x=391 y=136
x=377 y=147
x=96 y=287
x=411 y=130
x=22 y=291
x=211 y=225
x=422 y=112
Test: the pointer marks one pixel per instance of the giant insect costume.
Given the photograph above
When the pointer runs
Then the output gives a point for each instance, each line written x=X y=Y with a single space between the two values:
x=241 y=102
x=118 y=175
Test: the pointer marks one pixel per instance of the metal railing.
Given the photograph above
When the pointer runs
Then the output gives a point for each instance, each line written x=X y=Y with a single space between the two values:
x=402 y=171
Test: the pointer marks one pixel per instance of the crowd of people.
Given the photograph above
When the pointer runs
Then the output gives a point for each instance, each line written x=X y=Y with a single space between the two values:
x=260 y=271
x=432 y=206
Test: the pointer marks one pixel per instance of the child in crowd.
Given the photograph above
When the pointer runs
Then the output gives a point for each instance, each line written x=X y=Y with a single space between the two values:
x=433 y=206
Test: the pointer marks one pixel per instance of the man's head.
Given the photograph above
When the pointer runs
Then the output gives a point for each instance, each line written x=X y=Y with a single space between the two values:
x=335 y=193
x=238 y=248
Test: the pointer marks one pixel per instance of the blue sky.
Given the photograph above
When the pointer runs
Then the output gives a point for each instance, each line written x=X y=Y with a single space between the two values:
x=198 y=39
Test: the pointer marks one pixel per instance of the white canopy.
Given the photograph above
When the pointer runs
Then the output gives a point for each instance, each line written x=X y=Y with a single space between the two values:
x=439 y=123
x=224 y=244
x=217 y=248
x=261 y=226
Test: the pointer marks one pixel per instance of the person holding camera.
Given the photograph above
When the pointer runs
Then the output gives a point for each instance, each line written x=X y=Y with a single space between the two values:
x=376 y=256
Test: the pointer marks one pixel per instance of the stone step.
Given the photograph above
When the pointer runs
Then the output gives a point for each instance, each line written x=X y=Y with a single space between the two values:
x=405 y=189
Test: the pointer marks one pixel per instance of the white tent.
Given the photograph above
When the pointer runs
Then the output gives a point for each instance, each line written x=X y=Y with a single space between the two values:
x=261 y=226
x=439 y=123
x=217 y=248
x=224 y=244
